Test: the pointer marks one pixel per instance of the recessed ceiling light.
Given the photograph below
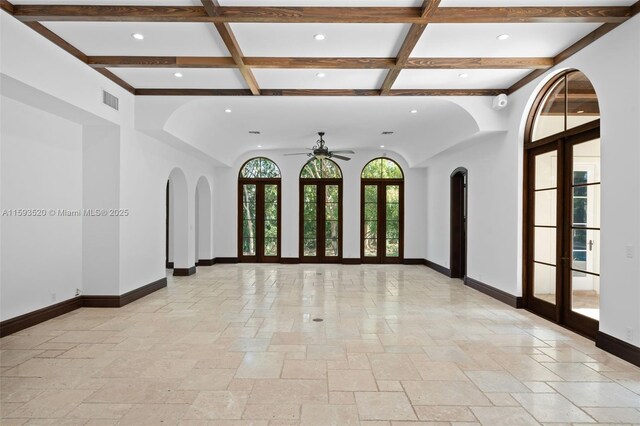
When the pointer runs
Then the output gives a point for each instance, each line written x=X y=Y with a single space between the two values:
x=463 y=75
x=259 y=146
x=503 y=37
x=581 y=112
x=414 y=111
x=227 y=110
x=177 y=74
x=320 y=75
x=137 y=36
x=319 y=37
x=381 y=146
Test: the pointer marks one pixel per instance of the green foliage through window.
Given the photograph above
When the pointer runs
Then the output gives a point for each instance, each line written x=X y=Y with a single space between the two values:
x=260 y=168
x=320 y=169
x=382 y=168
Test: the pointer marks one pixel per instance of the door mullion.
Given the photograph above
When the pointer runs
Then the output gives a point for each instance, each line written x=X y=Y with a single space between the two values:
x=320 y=208
x=382 y=221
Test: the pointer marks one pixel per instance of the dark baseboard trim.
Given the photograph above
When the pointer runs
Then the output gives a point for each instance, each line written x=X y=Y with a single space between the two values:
x=145 y=290
x=502 y=296
x=436 y=267
x=618 y=347
x=30 y=319
x=100 y=301
x=169 y=265
x=206 y=262
x=409 y=261
x=184 y=272
x=226 y=260
x=351 y=261
x=290 y=260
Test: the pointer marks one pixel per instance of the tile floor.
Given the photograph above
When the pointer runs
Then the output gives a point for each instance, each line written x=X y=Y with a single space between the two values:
x=237 y=345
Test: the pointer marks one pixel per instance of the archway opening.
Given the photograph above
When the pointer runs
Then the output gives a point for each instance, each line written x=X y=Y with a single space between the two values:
x=177 y=224
x=203 y=224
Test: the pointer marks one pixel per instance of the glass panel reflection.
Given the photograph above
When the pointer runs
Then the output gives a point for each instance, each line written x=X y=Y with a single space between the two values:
x=544 y=245
x=546 y=207
x=582 y=103
x=550 y=116
x=546 y=170
x=544 y=282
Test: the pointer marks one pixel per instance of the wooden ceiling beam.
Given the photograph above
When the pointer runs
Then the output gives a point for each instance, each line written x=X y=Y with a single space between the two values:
x=224 y=29
x=407 y=15
x=429 y=7
x=317 y=92
x=316 y=63
x=6 y=6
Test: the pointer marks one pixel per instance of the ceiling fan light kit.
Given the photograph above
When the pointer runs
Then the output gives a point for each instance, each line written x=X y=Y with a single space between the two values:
x=320 y=151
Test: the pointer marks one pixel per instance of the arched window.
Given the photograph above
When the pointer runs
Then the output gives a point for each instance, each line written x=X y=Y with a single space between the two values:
x=259 y=211
x=382 y=212
x=321 y=211
x=562 y=204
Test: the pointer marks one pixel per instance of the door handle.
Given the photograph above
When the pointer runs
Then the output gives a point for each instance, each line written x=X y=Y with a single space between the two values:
x=590 y=245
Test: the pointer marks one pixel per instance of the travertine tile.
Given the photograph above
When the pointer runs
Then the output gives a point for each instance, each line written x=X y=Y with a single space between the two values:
x=551 y=408
x=503 y=416
x=384 y=406
x=444 y=393
x=260 y=365
x=322 y=415
x=304 y=369
x=351 y=380
x=213 y=405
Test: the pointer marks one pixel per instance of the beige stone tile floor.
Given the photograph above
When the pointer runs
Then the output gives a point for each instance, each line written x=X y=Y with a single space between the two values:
x=237 y=345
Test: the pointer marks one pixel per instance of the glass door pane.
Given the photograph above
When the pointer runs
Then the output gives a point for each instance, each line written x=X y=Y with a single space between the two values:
x=370 y=220
x=270 y=220
x=545 y=223
x=310 y=220
x=585 y=229
x=249 y=220
x=392 y=230
x=332 y=217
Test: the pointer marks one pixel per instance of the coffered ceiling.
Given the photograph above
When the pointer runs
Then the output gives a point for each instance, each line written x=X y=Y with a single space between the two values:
x=368 y=47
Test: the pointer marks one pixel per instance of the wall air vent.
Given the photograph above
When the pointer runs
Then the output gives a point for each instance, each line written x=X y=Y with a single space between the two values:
x=109 y=100
x=387 y=133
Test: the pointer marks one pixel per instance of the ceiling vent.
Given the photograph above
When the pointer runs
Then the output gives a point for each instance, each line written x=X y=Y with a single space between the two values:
x=254 y=132
x=110 y=100
x=387 y=133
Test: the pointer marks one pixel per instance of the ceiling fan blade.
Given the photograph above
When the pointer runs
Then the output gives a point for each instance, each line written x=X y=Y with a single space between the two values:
x=298 y=153
x=344 y=151
x=340 y=157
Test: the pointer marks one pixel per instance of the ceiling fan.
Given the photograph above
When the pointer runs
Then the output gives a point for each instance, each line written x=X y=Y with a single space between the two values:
x=320 y=151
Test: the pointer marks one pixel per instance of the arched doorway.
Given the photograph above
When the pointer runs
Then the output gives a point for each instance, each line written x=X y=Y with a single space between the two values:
x=259 y=211
x=177 y=232
x=321 y=212
x=203 y=223
x=382 y=212
x=562 y=204
x=458 y=241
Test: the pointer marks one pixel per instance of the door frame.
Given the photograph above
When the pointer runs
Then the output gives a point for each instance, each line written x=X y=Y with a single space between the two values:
x=260 y=184
x=458 y=223
x=560 y=313
x=381 y=218
x=320 y=221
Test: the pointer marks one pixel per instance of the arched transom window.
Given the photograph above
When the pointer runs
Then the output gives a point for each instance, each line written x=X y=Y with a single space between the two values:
x=320 y=169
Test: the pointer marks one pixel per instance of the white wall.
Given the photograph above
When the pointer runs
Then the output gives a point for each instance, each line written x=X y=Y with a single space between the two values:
x=41 y=169
x=60 y=147
x=495 y=184
x=225 y=211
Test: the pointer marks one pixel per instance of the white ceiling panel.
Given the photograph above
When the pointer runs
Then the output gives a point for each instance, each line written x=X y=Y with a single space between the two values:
x=479 y=40
x=192 y=78
x=536 y=3
x=341 y=40
x=321 y=3
x=450 y=79
x=160 y=38
x=308 y=79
